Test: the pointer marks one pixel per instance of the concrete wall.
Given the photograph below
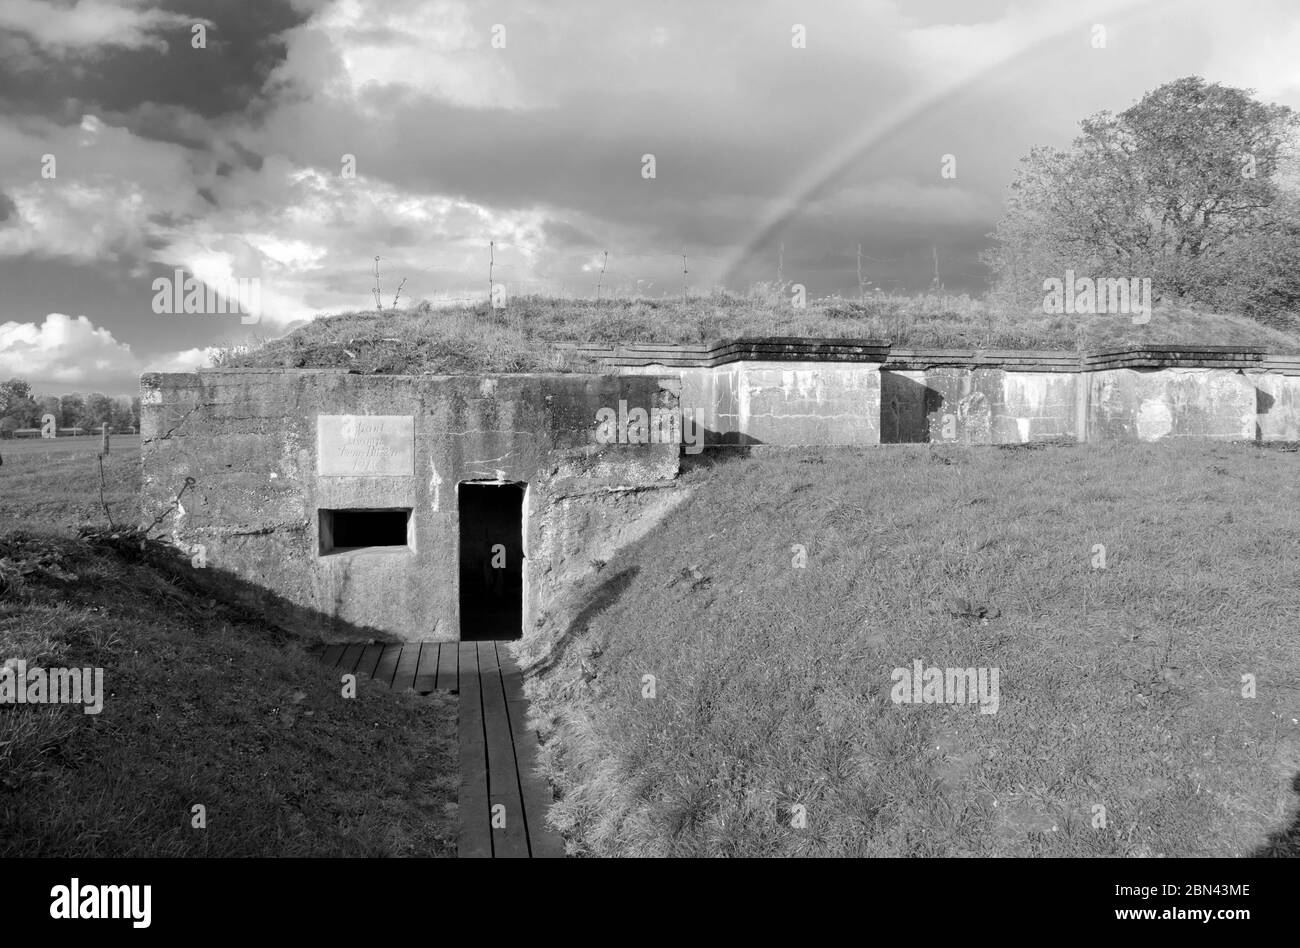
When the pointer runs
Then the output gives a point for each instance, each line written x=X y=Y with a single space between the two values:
x=249 y=439
x=1277 y=406
x=1150 y=404
x=855 y=403
x=787 y=403
x=713 y=394
x=976 y=405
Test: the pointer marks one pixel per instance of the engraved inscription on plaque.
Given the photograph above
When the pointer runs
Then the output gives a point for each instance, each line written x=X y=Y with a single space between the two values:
x=365 y=445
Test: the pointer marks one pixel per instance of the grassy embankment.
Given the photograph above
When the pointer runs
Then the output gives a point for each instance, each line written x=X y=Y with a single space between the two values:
x=205 y=704
x=523 y=337
x=1120 y=687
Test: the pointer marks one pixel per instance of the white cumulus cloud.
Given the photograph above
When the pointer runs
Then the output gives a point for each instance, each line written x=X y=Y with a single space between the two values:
x=71 y=354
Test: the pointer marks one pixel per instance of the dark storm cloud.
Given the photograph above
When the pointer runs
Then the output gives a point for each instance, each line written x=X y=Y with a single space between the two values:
x=243 y=46
x=7 y=207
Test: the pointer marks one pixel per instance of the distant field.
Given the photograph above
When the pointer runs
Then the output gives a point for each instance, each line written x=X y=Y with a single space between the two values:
x=53 y=484
x=64 y=447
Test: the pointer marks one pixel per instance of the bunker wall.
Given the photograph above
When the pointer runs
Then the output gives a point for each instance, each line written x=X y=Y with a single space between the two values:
x=251 y=441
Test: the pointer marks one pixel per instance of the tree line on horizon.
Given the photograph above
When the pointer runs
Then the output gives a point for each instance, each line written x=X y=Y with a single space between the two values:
x=20 y=407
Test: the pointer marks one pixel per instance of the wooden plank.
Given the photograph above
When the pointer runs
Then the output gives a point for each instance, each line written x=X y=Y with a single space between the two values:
x=331 y=655
x=370 y=660
x=475 y=838
x=426 y=672
x=447 y=664
x=504 y=800
x=351 y=655
x=543 y=841
x=487 y=657
x=388 y=663
x=404 y=676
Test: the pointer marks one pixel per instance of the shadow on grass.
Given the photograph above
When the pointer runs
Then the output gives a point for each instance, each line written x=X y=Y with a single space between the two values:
x=1285 y=843
x=718 y=448
x=284 y=619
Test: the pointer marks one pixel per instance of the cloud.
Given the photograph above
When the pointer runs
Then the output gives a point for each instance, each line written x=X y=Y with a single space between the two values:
x=108 y=186
x=69 y=353
x=64 y=351
x=185 y=361
x=63 y=29
x=367 y=53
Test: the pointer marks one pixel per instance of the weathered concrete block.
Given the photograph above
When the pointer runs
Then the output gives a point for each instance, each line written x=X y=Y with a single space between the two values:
x=1036 y=406
x=711 y=396
x=1277 y=406
x=1150 y=404
x=960 y=404
x=904 y=401
x=809 y=403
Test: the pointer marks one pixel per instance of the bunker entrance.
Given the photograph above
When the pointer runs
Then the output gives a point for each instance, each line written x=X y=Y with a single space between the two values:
x=491 y=561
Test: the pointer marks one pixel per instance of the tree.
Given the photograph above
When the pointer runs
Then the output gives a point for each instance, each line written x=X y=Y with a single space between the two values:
x=122 y=413
x=72 y=409
x=1183 y=187
x=98 y=410
x=13 y=389
x=16 y=403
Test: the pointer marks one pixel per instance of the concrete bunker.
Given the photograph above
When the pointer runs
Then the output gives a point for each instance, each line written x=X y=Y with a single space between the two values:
x=354 y=508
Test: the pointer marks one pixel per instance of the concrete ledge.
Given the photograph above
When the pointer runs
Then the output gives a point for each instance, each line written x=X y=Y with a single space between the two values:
x=786 y=348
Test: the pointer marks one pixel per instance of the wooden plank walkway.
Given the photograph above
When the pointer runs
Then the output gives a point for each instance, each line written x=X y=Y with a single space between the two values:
x=503 y=798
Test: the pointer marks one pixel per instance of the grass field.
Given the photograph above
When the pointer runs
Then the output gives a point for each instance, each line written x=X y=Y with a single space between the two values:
x=207 y=705
x=1121 y=687
x=54 y=484
x=64 y=447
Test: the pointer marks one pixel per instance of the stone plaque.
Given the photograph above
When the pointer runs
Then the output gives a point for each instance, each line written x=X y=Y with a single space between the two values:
x=365 y=445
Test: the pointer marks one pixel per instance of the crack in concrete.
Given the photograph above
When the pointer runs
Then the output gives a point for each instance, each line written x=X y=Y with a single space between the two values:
x=184 y=418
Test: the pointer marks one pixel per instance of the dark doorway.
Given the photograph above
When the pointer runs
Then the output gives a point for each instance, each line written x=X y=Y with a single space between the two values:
x=491 y=561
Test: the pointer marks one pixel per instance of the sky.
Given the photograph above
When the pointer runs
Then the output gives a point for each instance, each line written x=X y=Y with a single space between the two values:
x=291 y=142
